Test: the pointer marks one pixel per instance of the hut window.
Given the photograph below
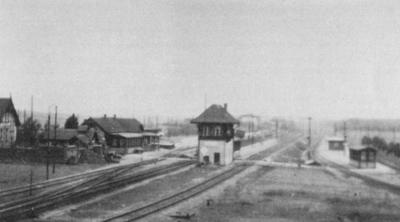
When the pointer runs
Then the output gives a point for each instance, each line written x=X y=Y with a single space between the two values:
x=363 y=155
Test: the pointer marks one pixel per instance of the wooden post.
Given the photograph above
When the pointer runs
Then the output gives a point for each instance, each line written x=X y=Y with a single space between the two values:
x=30 y=183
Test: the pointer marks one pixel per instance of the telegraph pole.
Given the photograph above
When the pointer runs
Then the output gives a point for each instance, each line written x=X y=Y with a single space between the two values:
x=344 y=131
x=55 y=141
x=309 y=131
x=276 y=128
x=31 y=123
x=48 y=147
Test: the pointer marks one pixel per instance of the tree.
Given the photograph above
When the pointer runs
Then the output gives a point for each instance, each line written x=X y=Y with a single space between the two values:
x=27 y=133
x=71 y=122
x=366 y=140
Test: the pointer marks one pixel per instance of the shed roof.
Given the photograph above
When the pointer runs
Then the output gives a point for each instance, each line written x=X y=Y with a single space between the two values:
x=117 y=125
x=335 y=139
x=215 y=114
x=6 y=105
x=362 y=147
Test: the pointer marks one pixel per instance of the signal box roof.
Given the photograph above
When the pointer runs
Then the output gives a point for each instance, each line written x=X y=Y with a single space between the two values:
x=215 y=114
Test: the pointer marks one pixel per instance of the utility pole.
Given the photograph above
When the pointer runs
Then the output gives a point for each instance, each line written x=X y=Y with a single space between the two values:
x=344 y=131
x=276 y=128
x=48 y=147
x=31 y=123
x=55 y=141
x=309 y=131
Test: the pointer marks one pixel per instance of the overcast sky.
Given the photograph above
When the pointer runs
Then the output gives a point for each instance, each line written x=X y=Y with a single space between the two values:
x=332 y=59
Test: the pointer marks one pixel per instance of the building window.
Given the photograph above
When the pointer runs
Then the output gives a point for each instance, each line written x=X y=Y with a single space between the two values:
x=217 y=131
x=205 y=131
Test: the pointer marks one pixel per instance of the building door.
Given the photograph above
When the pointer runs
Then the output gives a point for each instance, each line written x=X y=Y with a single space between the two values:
x=217 y=158
x=206 y=159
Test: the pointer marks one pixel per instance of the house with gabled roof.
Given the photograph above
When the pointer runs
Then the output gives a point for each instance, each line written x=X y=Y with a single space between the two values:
x=123 y=133
x=9 y=122
x=215 y=135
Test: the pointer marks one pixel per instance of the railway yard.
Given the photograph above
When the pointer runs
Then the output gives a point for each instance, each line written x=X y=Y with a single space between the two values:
x=266 y=184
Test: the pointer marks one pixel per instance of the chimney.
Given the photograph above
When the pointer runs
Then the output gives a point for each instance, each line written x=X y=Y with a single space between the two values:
x=226 y=106
x=115 y=116
x=105 y=116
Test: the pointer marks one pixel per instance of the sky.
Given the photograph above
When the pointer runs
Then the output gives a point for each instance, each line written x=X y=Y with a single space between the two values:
x=326 y=59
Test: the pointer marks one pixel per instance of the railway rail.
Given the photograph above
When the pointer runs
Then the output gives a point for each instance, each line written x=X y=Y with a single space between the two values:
x=138 y=213
x=135 y=214
x=29 y=207
x=25 y=190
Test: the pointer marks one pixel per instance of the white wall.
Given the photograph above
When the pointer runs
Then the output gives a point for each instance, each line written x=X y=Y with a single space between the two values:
x=8 y=131
x=209 y=147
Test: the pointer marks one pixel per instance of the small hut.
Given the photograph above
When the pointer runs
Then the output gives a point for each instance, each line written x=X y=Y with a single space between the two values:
x=363 y=156
x=336 y=143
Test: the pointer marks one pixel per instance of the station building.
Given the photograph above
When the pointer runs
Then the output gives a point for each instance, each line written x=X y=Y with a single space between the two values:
x=215 y=135
x=363 y=156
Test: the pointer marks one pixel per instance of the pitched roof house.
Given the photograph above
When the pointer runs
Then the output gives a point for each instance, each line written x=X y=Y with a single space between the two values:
x=9 y=122
x=7 y=106
x=117 y=132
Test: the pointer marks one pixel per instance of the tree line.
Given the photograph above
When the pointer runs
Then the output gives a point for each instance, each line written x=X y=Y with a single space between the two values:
x=382 y=145
x=28 y=132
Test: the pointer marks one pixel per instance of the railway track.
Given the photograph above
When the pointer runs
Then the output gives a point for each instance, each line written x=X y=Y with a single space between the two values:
x=25 y=190
x=135 y=214
x=278 y=147
x=138 y=213
x=18 y=209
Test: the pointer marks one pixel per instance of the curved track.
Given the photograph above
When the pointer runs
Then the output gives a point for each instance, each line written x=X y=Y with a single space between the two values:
x=28 y=207
x=138 y=213
x=24 y=190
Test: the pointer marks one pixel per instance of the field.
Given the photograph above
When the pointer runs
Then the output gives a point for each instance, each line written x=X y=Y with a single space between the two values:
x=291 y=194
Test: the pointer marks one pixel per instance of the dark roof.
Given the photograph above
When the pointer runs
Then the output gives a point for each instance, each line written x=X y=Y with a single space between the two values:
x=116 y=125
x=215 y=114
x=362 y=147
x=62 y=134
x=6 y=105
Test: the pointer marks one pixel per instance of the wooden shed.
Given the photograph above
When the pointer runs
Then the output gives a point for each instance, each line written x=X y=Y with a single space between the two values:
x=336 y=143
x=363 y=156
